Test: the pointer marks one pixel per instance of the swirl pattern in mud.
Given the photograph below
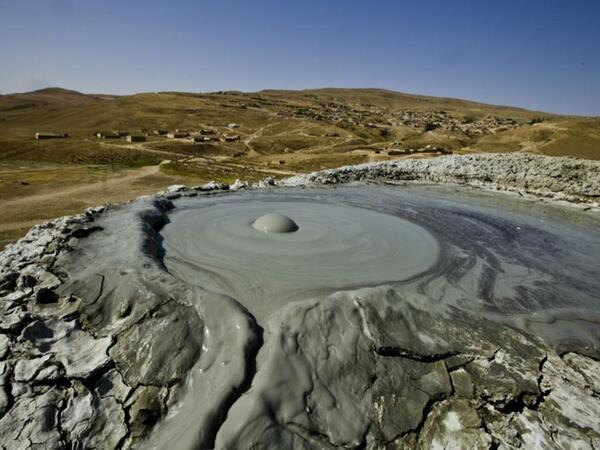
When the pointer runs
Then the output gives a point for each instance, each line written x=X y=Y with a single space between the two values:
x=336 y=246
x=528 y=270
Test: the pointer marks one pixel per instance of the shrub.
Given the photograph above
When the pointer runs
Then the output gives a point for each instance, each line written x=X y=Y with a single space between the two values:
x=429 y=126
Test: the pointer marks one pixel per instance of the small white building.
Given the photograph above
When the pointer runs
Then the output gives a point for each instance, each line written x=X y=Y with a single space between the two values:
x=39 y=135
x=136 y=138
x=231 y=138
x=107 y=135
x=177 y=134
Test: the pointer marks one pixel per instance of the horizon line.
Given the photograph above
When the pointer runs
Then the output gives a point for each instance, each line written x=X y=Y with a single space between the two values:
x=441 y=97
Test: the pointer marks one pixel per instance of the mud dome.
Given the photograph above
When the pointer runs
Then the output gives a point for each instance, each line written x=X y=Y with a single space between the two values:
x=275 y=223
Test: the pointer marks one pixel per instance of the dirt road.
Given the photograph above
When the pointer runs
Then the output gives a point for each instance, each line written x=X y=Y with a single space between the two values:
x=21 y=213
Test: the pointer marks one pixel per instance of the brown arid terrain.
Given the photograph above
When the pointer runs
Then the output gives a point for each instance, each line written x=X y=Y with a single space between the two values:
x=224 y=136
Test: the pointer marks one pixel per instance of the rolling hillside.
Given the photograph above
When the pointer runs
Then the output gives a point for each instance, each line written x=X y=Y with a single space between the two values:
x=297 y=121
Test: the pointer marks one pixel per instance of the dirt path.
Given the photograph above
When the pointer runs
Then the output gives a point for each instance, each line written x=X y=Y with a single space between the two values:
x=143 y=148
x=330 y=146
x=123 y=180
x=258 y=133
x=21 y=213
x=266 y=171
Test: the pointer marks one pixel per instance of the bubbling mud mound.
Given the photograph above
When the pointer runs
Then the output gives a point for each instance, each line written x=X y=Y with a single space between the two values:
x=275 y=223
x=388 y=317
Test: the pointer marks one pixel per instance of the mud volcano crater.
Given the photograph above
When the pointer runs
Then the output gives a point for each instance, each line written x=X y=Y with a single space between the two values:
x=330 y=246
x=505 y=264
x=416 y=316
x=407 y=273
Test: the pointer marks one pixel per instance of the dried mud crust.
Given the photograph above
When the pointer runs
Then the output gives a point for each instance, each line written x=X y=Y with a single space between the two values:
x=560 y=178
x=96 y=348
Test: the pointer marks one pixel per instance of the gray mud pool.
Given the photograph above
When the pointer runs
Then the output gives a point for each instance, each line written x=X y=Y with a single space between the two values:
x=535 y=266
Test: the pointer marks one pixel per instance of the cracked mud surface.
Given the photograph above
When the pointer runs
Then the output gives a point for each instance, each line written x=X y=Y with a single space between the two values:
x=107 y=340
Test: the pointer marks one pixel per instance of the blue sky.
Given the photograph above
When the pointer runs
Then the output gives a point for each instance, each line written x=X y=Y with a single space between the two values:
x=541 y=55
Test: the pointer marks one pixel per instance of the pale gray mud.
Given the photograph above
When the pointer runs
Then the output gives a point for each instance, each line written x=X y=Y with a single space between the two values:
x=393 y=317
x=530 y=269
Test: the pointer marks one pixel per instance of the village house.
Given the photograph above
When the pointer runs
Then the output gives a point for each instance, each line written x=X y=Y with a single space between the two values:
x=107 y=135
x=136 y=138
x=231 y=138
x=177 y=134
x=39 y=135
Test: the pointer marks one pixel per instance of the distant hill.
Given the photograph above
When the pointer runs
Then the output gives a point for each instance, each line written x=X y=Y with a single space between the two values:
x=51 y=97
x=399 y=100
x=311 y=121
